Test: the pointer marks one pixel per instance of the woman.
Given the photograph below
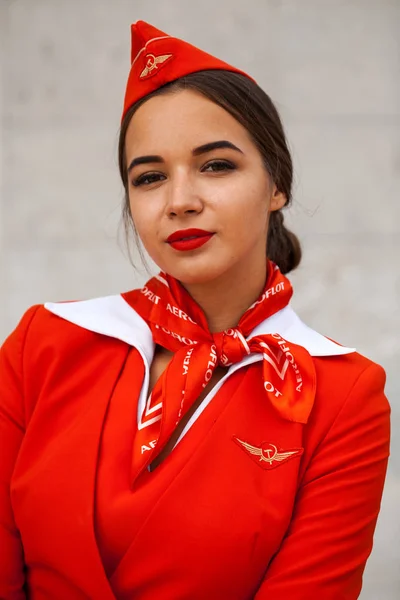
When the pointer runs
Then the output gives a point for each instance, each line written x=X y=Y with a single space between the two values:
x=192 y=439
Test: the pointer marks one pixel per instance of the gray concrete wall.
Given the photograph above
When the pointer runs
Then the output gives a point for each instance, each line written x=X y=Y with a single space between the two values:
x=332 y=67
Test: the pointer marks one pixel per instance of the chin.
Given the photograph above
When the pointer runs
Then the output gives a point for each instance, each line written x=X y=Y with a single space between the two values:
x=192 y=272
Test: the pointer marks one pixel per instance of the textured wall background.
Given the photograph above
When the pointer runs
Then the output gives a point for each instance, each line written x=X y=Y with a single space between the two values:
x=333 y=69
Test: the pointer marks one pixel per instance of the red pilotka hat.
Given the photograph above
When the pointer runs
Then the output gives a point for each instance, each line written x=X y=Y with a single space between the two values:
x=158 y=58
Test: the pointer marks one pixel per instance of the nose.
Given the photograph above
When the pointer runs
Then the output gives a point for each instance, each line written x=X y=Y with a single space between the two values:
x=182 y=198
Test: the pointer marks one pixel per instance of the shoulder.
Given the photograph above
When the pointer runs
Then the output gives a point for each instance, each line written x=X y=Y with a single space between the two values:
x=338 y=368
x=59 y=330
x=350 y=403
x=42 y=338
x=46 y=353
x=39 y=326
x=59 y=322
x=15 y=342
x=350 y=388
x=343 y=373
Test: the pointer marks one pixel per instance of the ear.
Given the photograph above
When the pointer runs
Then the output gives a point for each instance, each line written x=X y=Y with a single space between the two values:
x=278 y=199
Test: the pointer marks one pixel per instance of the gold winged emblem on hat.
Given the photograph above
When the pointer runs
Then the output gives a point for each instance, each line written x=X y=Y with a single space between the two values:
x=269 y=452
x=152 y=63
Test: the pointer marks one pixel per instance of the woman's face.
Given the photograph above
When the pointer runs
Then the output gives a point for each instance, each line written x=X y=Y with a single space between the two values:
x=192 y=166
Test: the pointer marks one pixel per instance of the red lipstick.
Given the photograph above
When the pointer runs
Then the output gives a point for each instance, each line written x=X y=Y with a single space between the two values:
x=189 y=239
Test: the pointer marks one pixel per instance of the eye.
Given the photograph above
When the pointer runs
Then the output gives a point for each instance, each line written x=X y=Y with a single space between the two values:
x=147 y=179
x=216 y=166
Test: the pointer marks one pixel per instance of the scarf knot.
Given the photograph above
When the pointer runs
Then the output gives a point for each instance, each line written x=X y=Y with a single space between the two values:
x=231 y=346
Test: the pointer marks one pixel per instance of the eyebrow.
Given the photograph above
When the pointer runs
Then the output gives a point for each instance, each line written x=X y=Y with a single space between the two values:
x=155 y=158
x=215 y=146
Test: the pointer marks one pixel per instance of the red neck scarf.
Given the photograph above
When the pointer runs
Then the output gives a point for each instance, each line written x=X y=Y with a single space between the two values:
x=178 y=324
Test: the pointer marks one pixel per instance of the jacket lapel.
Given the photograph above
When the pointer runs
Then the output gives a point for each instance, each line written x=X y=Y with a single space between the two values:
x=81 y=487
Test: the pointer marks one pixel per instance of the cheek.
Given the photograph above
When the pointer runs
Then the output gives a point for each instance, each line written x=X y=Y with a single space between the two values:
x=142 y=217
x=146 y=223
x=248 y=210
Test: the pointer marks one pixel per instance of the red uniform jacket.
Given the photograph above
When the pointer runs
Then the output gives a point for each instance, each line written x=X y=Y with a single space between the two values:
x=247 y=505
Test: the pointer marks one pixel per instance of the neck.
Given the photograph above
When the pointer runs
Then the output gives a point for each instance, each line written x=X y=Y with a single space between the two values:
x=224 y=301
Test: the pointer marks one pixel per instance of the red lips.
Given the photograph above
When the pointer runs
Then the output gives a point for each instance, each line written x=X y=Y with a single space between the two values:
x=189 y=239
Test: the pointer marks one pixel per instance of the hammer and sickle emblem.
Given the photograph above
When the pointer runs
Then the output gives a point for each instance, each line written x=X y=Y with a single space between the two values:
x=152 y=63
x=267 y=454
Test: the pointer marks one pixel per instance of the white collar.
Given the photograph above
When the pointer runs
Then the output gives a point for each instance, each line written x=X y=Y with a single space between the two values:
x=114 y=317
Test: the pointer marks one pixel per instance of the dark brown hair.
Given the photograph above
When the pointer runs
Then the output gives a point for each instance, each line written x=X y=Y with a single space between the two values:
x=253 y=109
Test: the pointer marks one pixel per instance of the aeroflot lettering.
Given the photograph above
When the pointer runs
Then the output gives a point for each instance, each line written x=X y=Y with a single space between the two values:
x=270 y=388
x=290 y=358
x=179 y=313
x=186 y=361
x=231 y=332
x=150 y=295
x=212 y=361
x=181 y=338
x=271 y=292
x=151 y=445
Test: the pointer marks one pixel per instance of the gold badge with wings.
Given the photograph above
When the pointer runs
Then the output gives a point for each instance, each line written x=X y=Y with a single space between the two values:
x=152 y=63
x=269 y=453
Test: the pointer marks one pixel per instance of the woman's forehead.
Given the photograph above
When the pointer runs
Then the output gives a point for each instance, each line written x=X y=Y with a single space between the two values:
x=185 y=115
